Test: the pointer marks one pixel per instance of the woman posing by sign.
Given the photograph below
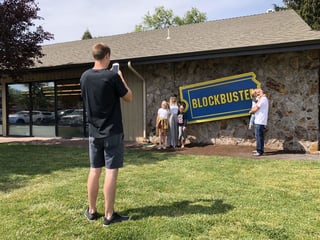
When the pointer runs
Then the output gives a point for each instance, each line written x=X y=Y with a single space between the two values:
x=173 y=126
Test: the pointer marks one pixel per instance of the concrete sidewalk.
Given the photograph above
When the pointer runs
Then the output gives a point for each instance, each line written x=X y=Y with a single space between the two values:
x=24 y=139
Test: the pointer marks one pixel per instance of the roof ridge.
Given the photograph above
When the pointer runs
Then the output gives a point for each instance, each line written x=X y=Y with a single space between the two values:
x=180 y=26
x=253 y=15
x=223 y=35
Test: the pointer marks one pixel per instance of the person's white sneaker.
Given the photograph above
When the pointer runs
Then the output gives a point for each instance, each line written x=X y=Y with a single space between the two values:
x=257 y=154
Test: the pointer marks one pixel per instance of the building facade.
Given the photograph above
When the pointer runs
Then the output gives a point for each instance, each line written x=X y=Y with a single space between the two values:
x=285 y=60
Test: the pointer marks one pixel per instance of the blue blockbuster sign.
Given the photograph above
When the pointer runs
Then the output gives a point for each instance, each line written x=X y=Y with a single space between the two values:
x=223 y=98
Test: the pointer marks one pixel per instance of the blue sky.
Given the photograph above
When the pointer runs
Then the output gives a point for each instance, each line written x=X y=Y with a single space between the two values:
x=69 y=19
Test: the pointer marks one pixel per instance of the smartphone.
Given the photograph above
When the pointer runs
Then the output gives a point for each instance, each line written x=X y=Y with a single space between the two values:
x=115 y=67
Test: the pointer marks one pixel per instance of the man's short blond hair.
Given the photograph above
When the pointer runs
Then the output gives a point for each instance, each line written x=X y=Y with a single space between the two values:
x=100 y=50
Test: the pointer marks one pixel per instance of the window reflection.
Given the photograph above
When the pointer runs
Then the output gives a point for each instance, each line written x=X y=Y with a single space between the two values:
x=70 y=109
x=46 y=109
x=31 y=109
x=18 y=109
x=1 y=110
x=43 y=114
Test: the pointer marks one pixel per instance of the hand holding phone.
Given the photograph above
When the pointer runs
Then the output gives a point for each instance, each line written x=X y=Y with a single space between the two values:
x=115 y=67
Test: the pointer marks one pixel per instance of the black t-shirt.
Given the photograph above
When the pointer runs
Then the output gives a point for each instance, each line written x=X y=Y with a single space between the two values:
x=182 y=121
x=101 y=91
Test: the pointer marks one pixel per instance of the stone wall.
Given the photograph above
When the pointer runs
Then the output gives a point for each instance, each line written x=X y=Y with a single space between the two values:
x=291 y=81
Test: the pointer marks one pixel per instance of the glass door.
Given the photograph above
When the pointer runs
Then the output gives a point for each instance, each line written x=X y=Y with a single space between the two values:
x=43 y=109
x=1 y=110
x=19 y=109
x=71 y=117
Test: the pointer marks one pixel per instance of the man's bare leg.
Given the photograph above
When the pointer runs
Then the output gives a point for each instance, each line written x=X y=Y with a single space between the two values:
x=93 y=188
x=109 y=191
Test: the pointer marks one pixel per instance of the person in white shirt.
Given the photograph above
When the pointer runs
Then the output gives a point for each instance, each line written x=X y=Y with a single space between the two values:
x=260 y=111
x=162 y=124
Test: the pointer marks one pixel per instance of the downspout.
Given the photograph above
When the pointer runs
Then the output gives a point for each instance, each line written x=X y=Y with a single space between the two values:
x=319 y=107
x=4 y=109
x=143 y=98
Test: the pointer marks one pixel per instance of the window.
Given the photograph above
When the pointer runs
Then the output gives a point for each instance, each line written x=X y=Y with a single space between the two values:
x=71 y=117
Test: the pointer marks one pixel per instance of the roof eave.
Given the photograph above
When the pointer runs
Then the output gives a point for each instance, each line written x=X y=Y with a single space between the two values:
x=209 y=54
x=230 y=52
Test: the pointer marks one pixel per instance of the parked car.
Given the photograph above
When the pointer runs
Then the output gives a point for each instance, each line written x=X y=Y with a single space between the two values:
x=38 y=117
x=64 y=112
x=46 y=117
x=19 y=117
x=74 y=119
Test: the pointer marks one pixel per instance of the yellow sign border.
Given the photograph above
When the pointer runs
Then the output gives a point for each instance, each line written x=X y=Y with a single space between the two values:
x=215 y=81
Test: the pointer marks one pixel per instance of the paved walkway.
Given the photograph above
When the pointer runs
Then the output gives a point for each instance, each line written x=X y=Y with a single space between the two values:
x=25 y=139
x=52 y=140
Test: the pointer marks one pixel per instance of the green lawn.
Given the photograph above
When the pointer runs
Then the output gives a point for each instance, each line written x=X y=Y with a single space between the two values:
x=168 y=196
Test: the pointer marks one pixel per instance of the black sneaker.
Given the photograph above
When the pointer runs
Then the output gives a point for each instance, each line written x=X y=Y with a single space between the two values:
x=91 y=217
x=114 y=219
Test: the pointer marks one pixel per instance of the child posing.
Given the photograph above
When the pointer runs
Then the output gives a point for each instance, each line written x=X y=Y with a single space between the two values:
x=182 y=125
x=162 y=124
x=254 y=102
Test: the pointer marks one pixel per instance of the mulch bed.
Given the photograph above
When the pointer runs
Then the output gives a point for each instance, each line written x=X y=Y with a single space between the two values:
x=194 y=149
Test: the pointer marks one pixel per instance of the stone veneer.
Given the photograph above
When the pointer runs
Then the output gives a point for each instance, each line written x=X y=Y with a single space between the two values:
x=291 y=81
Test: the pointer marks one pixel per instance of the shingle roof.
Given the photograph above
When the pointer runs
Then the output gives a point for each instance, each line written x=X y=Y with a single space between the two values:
x=222 y=35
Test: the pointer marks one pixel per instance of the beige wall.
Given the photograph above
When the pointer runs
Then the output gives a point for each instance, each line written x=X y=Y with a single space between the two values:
x=132 y=113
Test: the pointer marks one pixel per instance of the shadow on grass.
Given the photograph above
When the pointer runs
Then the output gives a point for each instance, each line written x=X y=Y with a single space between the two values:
x=279 y=152
x=141 y=157
x=20 y=163
x=201 y=206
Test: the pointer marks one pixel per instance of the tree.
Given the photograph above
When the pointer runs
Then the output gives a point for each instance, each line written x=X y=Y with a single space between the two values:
x=19 y=36
x=309 y=10
x=163 y=18
x=86 y=35
x=191 y=17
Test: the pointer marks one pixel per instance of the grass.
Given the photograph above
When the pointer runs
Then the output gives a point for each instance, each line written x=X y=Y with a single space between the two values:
x=168 y=196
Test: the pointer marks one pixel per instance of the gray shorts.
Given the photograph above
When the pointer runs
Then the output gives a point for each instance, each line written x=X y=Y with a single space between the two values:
x=106 y=152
